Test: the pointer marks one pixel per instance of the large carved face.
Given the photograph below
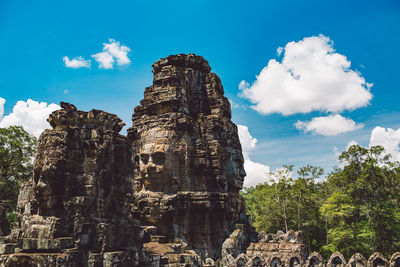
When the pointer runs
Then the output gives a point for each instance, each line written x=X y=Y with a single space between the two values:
x=157 y=164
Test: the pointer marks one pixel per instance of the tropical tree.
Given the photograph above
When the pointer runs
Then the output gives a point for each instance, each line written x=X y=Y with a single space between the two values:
x=17 y=149
x=285 y=203
x=363 y=210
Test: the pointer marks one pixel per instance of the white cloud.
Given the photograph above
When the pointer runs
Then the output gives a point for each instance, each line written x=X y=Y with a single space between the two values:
x=255 y=172
x=311 y=77
x=118 y=51
x=76 y=63
x=247 y=141
x=279 y=173
x=279 y=51
x=105 y=60
x=388 y=138
x=351 y=143
x=31 y=115
x=112 y=51
x=2 y=101
x=336 y=151
x=329 y=126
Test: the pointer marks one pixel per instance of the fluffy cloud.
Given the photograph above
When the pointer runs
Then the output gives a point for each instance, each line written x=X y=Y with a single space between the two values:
x=31 y=115
x=329 y=126
x=76 y=63
x=311 y=77
x=255 y=172
x=2 y=101
x=247 y=141
x=112 y=51
x=105 y=60
x=351 y=143
x=388 y=138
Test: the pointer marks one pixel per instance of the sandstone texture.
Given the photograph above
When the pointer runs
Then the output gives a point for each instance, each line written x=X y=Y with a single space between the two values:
x=187 y=156
x=167 y=194
x=76 y=208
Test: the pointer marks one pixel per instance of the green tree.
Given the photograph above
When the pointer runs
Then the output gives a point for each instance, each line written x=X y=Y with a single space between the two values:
x=363 y=210
x=264 y=212
x=286 y=203
x=308 y=196
x=17 y=149
x=282 y=192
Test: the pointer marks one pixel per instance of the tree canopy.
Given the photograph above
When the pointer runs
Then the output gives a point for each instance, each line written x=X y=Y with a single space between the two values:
x=363 y=210
x=17 y=149
x=355 y=209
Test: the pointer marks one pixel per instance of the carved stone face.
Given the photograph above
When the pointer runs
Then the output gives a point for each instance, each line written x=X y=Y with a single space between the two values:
x=157 y=166
x=47 y=194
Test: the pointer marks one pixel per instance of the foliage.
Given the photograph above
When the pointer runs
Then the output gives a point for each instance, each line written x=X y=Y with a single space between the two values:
x=11 y=218
x=17 y=149
x=287 y=203
x=356 y=209
x=363 y=211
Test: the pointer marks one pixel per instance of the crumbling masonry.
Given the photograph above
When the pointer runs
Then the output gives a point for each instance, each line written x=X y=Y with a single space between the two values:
x=167 y=194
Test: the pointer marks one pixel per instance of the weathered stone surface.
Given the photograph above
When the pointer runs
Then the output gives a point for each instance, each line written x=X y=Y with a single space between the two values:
x=165 y=195
x=336 y=260
x=236 y=244
x=4 y=224
x=80 y=194
x=377 y=260
x=278 y=249
x=178 y=173
x=357 y=260
x=187 y=155
x=7 y=248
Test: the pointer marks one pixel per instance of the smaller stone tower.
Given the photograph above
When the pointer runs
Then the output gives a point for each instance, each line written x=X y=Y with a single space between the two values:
x=74 y=211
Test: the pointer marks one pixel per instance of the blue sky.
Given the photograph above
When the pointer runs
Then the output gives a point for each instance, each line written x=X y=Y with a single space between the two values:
x=238 y=38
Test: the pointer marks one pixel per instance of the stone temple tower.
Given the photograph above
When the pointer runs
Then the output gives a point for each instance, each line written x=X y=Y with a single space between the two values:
x=187 y=156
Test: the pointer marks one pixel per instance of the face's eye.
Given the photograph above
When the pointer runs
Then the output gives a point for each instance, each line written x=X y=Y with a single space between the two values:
x=144 y=158
x=158 y=158
x=136 y=159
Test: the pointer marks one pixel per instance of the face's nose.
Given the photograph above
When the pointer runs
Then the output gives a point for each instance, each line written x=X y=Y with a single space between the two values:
x=150 y=167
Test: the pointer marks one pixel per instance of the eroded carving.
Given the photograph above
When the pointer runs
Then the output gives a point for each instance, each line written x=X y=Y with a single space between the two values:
x=377 y=260
x=188 y=161
x=336 y=260
x=357 y=260
x=78 y=200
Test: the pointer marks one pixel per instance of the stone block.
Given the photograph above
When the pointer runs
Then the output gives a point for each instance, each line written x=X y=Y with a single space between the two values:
x=56 y=244
x=7 y=248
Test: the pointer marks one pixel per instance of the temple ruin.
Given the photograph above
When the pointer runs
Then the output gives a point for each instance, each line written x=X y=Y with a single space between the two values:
x=167 y=194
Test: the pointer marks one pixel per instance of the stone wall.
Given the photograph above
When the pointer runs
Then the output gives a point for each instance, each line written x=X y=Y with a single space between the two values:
x=288 y=249
x=279 y=247
x=76 y=208
x=315 y=260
